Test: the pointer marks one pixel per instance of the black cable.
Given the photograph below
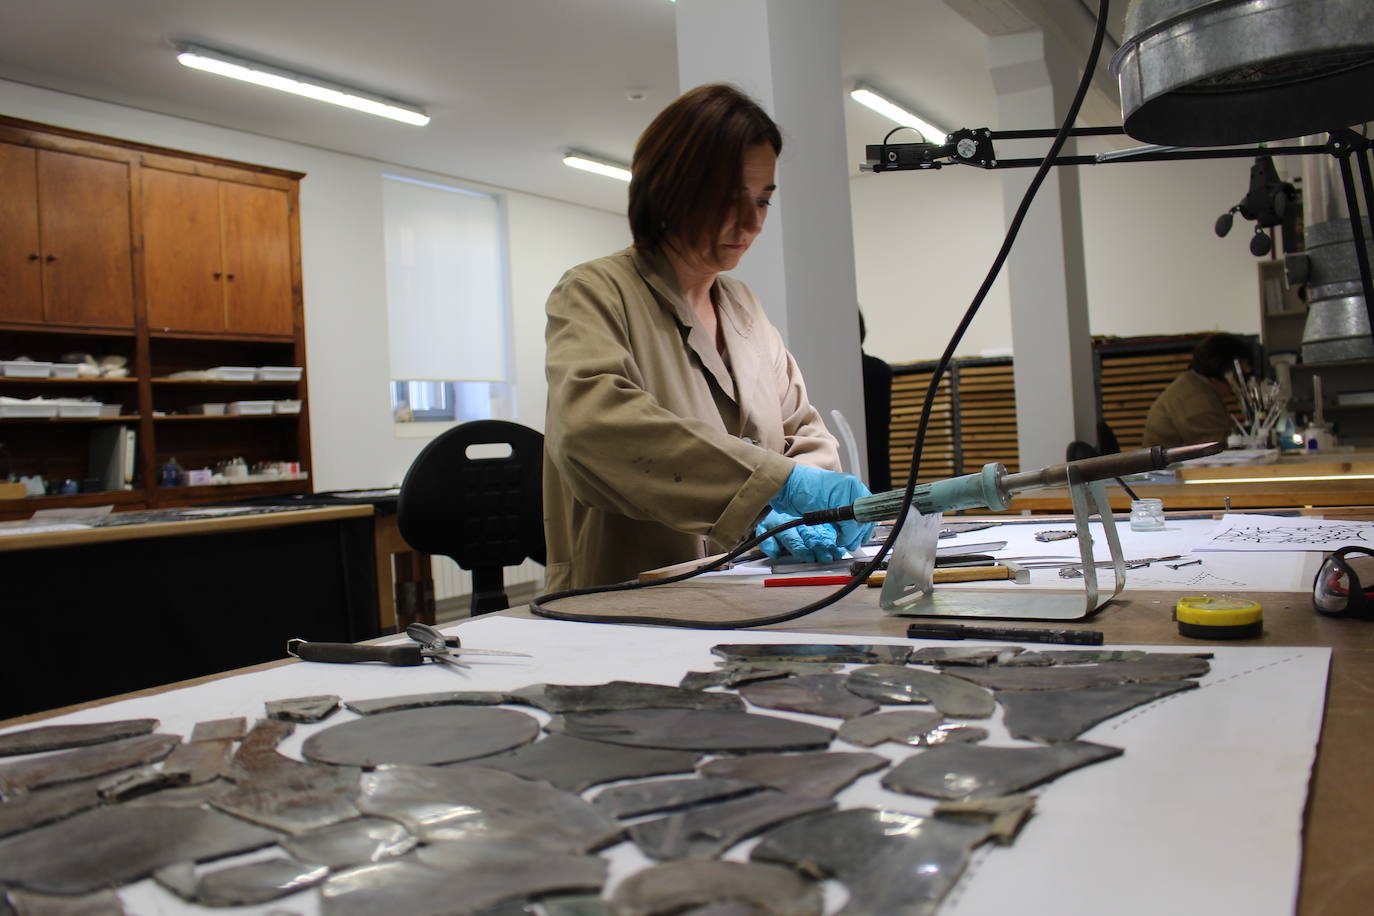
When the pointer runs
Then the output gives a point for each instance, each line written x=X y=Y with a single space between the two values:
x=538 y=605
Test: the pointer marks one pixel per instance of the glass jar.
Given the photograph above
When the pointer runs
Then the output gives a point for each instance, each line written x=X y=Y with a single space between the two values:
x=1147 y=514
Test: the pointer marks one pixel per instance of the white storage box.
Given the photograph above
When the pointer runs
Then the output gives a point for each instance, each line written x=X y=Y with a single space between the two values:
x=210 y=410
x=279 y=373
x=19 y=368
x=89 y=409
x=233 y=373
x=289 y=405
x=247 y=408
x=15 y=407
x=64 y=370
x=111 y=410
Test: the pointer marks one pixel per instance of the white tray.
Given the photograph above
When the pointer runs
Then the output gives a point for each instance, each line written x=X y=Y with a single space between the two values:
x=279 y=373
x=18 y=368
x=249 y=408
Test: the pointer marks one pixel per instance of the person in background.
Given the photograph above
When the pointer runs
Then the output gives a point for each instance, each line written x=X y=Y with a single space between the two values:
x=877 y=415
x=678 y=424
x=1193 y=407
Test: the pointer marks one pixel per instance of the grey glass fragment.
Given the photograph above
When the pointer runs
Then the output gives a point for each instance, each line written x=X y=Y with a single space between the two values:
x=729 y=674
x=705 y=833
x=1072 y=677
x=949 y=733
x=187 y=796
x=474 y=880
x=27 y=903
x=574 y=764
x=813 y=652
x=818 y=694
x=283 y=793
x=440 y=734
x=891 y=863
x=902 y=726
x=109 y=847
x=60 y=737
x=303 y=709
x=1062 y=715
x=1073 y=657
x=816 y=775
x=1004 y=815
x=135 y=783
x=200 y=761
x=574 y=905
x=689 y=885
x=220 y=729
x=957 y=771
x=558 y=698
x=83 y=763
x=352 y=842
x=718 y=730
x=668 y=795
x=950 y=695
x=964 y=655
x=257 y=882
x=425 y=700
x=44 y=806
x=483 y=806
x=179 y=878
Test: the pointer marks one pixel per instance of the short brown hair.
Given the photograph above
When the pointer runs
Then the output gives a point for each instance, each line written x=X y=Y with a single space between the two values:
x=686 y=167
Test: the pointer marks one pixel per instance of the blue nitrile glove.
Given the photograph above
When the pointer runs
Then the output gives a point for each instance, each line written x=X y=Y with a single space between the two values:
x=809 y=489
x=811 y=543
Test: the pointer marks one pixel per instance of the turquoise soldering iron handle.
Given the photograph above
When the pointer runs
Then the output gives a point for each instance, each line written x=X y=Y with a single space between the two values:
x=981 y=490
x=992 y=487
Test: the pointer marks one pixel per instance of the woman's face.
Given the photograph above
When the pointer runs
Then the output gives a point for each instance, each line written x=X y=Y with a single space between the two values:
x=745 y=221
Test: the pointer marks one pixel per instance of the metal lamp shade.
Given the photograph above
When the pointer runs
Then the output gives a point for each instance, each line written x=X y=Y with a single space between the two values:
x=1221 y=72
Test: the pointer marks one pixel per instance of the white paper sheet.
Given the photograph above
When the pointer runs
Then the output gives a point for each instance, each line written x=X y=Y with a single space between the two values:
x=1271 y=533
x=1202 y=813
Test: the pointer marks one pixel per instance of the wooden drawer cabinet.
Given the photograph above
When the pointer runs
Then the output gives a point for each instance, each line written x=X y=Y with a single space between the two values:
x=217 y=255
x=65 y=243
x=173 y=261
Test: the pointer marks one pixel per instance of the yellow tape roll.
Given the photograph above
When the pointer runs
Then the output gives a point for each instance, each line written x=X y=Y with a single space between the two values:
x=1213 y=617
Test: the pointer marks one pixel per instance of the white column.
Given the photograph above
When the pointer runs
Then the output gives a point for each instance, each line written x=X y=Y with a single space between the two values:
x=1051 y=342
x=786 y=55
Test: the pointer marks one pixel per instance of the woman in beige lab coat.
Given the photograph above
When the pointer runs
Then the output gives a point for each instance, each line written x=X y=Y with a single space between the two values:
x=678 y=424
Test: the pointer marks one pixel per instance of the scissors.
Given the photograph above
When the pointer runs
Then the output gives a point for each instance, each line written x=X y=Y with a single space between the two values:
x=432 y=644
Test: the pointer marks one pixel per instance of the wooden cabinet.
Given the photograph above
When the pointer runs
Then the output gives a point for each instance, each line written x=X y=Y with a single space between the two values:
x=65 y=241
x=173 y=261
x=218 y=254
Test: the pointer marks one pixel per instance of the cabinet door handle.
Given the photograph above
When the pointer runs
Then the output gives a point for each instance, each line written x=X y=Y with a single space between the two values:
x=34 y=257
x=229 y=277
x=50 y=258
x=216 y=275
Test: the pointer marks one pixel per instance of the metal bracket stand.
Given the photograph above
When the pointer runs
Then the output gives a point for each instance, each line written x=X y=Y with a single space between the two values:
x=909 y=590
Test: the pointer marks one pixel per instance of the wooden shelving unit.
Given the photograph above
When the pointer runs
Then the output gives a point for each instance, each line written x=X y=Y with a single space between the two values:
x=186 y=262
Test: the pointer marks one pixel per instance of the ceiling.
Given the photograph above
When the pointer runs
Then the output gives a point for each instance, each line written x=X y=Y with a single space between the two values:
x=509 y=84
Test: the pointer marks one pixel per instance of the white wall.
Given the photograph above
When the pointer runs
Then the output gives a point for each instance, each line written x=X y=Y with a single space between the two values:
x=924 y=240
x=353 y=439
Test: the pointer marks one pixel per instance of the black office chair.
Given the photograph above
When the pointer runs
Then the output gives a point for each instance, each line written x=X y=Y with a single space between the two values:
x=1106 y=445
x=484 y=513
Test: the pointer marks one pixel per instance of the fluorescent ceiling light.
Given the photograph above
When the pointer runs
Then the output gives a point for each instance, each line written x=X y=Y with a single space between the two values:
x=589 y=163
x=239 y=68
x=889 y=109
x=1294 y=479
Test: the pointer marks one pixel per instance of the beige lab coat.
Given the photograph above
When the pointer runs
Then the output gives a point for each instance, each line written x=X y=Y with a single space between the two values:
x=656 y=451
x=1190 y=410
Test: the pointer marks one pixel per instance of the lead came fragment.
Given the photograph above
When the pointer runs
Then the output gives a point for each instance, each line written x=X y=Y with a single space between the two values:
x=730 y=674
x=423 y=700
x=892 y=863
x=574 y=764
x=813 y=652
x=951 y=696
x=710 y=730
x=819 y=775
x=557 y=698
x=220 y=730
x=707 y=832
x=1062 y=715
x=303 y=709
x=60 y=737
x=696 y=886
x=818 y=694
x=958 y=771
x=83 y=763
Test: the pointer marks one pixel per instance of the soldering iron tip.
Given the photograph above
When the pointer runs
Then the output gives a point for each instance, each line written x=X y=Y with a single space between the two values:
x=1185 y=452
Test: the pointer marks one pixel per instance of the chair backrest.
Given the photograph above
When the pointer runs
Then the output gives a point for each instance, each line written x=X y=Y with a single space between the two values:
x=484 y=513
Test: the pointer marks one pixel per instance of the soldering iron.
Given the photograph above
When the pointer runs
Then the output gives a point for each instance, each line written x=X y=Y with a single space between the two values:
x=993 y=486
